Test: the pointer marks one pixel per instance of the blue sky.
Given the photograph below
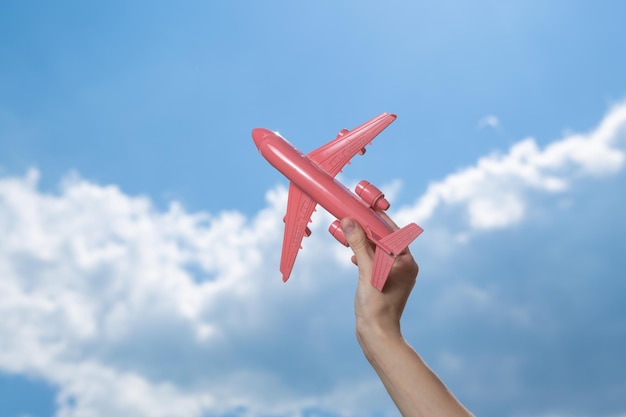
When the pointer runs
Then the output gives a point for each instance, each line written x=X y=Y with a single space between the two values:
x=140 y=228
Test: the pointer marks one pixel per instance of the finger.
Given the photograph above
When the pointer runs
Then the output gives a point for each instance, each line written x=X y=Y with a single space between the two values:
x=357 y=240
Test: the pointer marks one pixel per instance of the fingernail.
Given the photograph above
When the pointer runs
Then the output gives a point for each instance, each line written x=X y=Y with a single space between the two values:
x=347 y=225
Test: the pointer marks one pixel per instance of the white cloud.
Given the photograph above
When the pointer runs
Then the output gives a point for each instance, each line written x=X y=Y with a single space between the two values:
x=494 y=193
x=131 y=311
x=93 y=266
x=489 y=120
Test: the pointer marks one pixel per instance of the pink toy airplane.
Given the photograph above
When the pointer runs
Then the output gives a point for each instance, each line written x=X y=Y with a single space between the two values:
x=313 y=182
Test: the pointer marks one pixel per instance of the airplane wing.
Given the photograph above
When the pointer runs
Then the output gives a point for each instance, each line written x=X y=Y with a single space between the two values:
x=334 y=155
x=299 y=209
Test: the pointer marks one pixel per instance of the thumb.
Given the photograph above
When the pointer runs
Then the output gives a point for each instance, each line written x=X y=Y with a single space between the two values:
x=357 y=240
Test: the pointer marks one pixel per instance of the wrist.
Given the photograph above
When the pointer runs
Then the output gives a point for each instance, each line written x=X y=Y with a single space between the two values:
x=375 y=336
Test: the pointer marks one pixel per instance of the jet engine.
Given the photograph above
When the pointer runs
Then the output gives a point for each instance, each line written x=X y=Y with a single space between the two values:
x=372 y=195
x=335 y=230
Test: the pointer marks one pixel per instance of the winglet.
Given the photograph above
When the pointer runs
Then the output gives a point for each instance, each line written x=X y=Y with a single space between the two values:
x=389 y=248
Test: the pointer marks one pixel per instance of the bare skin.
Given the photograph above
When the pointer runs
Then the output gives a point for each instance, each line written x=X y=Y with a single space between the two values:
x=414 y=388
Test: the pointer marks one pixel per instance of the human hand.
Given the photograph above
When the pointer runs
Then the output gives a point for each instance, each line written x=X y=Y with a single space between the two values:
x=413 y=387
x=378 y=313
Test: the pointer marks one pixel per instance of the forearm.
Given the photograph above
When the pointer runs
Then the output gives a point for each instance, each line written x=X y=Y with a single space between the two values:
x=415 y=389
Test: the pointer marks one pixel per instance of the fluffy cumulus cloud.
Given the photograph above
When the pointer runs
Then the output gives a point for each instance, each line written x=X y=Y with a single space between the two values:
x=130 y=310
x=494 y=192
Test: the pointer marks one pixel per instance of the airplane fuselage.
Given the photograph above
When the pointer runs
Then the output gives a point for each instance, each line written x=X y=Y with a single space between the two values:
x=319 y=185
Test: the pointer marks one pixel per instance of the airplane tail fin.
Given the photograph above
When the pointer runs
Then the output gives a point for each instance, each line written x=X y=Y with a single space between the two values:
x=388 y=249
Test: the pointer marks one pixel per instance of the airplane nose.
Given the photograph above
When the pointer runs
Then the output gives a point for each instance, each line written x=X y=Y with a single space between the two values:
x=259 y=135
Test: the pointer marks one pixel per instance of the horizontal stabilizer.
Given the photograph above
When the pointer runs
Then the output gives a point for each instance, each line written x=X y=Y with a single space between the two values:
x=400 y=239
x=389 y=248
